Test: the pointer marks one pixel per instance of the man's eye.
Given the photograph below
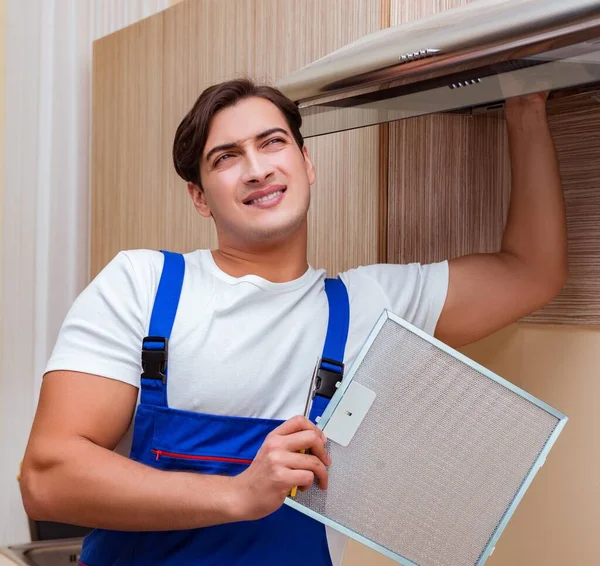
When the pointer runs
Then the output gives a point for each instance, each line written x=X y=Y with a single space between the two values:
x=223 y=157
x=271 y=141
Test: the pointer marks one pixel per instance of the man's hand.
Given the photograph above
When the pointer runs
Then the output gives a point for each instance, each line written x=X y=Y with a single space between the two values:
x=279 y=466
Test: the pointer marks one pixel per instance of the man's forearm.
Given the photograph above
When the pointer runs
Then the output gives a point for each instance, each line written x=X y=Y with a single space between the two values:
x=81 y=483
x=536 y=225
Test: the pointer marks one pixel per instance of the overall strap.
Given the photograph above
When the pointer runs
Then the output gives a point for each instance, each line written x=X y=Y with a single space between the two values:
x=331 y=367
x=155 y=346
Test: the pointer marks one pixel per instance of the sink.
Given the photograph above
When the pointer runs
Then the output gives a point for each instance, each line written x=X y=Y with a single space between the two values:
x=48 y=553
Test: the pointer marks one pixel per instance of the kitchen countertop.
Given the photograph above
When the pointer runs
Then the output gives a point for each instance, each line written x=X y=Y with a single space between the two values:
x=5 y=561
x=59 y=551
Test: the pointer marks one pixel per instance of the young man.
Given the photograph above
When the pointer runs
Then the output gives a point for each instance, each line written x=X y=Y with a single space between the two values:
x=217 y=446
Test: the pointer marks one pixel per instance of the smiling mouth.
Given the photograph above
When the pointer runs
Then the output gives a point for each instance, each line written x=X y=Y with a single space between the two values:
x=266 y=198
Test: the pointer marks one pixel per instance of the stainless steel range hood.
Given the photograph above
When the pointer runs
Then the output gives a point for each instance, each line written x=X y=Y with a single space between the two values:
x=463 y=59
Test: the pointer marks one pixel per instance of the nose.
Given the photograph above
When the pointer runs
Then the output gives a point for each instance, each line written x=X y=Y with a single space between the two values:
x=257 y=168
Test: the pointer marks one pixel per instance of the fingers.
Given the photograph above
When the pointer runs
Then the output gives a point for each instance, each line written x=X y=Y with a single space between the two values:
x=285 y=447
x=305 y=468
x=308 y=440
x=300 y=434
x=302 y=479
x=296 y=424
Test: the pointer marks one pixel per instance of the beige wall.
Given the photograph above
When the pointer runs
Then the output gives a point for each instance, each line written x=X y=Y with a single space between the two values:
x=558 y=521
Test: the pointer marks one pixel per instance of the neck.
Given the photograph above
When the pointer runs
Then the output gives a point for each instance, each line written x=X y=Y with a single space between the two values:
x=278 y=262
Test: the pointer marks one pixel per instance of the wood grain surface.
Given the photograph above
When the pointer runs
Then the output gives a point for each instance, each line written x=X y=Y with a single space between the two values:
x=127 y=156
x=575 y=124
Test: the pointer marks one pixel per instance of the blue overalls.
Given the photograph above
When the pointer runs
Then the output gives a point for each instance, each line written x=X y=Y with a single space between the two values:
x=172 y=439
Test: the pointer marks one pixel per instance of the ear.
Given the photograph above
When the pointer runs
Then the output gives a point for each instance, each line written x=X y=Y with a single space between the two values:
x=310 y=168
x=199 y=199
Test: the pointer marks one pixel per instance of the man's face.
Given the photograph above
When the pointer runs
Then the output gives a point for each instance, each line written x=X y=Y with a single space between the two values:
x=255 y=179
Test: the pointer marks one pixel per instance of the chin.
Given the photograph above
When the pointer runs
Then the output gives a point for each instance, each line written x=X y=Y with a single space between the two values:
x=279 y=231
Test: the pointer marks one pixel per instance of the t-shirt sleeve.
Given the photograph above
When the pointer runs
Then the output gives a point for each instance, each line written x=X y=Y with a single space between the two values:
x=103 y=331
x=414 y=292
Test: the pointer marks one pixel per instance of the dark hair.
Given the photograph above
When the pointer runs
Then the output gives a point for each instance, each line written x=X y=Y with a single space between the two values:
x=192 y=133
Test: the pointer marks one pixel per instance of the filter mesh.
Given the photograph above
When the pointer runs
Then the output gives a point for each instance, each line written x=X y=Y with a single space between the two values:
x=439 y=457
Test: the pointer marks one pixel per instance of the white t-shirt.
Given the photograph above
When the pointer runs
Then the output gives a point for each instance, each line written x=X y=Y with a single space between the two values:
x=239 y=346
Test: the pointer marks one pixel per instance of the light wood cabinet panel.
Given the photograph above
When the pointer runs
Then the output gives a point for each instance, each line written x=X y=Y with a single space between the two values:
x=127 y=211
x=575 y=124
x=403 y=11
x=147 y=78
x=447 y=179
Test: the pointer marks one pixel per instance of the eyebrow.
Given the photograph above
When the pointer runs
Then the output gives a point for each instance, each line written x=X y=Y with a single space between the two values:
x=260 y=136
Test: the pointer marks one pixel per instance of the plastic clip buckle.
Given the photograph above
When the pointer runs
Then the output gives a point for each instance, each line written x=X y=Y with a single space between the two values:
x=154 y=360
x=326 y=379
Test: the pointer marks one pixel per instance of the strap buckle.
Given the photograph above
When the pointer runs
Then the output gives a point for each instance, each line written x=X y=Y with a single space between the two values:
x=154 y=360
x=327 y=380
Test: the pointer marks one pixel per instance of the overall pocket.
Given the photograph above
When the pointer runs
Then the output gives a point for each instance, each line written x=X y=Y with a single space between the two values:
x=199 y=442
x=206 y=464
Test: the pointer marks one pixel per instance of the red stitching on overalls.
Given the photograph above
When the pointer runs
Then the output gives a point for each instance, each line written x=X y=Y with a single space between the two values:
x=160 y=453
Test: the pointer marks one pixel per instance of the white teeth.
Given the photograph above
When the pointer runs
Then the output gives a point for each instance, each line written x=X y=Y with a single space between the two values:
x=268 y=197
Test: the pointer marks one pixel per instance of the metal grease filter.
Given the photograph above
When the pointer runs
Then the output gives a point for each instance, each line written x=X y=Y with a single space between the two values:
x=439 y=458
